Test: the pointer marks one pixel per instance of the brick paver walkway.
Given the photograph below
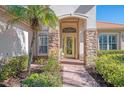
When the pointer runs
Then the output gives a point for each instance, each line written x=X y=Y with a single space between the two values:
x=76 y=76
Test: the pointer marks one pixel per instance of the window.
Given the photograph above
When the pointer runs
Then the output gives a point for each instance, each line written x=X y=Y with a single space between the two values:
x=107 y=41
x=69 y=29
x=122 y=37
x=43 y=41
x=112 y=42
x=103 y=42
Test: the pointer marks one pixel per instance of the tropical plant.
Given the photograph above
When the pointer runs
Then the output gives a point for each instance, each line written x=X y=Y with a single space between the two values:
x=35 y=16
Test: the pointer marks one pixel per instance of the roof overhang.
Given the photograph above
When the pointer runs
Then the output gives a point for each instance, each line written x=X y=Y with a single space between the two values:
x=105 y=26
x=71 y=10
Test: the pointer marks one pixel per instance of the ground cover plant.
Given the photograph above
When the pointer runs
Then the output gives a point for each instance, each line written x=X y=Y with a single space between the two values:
x=110 y=64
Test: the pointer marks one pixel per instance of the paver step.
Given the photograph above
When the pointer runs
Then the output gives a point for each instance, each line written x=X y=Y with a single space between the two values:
x=72 y=61
x=77 y=76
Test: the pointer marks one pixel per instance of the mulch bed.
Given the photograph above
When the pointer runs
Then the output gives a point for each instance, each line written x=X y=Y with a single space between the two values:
x=11 y=82
x=92 y=71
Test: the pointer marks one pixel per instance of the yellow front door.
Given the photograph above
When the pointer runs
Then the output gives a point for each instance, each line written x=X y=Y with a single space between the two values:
x=69 y=45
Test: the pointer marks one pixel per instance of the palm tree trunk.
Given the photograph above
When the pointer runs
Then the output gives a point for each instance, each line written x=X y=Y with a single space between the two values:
x=31 y=53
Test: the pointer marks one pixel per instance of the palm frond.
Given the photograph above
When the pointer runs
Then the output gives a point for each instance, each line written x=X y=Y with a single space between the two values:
x=48 y=17
x=34 y=14
x=18 y=11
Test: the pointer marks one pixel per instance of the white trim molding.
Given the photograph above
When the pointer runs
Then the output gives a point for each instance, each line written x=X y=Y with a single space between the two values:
x=108 y=34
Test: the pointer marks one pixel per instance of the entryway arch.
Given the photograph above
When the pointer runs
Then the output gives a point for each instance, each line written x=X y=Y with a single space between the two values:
x=76 y=15
x=72 y=29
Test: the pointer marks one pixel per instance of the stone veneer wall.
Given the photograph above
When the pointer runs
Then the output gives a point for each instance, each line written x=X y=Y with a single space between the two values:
x=54 y=43
x=90 y=49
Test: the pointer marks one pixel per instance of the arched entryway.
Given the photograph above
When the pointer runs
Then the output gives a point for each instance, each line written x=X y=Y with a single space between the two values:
x=72 y=37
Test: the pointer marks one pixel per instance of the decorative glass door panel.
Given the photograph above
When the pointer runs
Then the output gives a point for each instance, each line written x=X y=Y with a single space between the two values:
x=69 y=45
x=69 y=42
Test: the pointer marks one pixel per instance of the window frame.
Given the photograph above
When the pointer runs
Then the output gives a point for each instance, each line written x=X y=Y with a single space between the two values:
x=109 y=34
x=43 y=32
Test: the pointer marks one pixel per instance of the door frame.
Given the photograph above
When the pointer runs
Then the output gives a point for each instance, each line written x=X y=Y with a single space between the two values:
x=74 y=23
x=73 y=35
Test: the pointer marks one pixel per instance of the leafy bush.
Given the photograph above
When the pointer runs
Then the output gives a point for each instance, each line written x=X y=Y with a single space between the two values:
x=106 y=52
x=111 y=67
x=18 y=64
x=23 y=62
x=53 y=53
x=51 y=76
x=40 y=60
x=45 y=79
x=5 y=73
x=52 y=66
x=14 y=67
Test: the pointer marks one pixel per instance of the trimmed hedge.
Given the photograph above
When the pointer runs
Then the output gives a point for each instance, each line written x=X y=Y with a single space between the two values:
x=13 y=67
x=106 y=52
x=111 y=67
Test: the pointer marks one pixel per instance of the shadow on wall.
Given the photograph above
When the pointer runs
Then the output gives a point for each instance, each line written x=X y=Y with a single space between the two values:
x=12 y=42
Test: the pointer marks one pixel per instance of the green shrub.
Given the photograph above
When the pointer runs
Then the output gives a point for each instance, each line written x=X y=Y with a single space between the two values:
x=51 y=76
x=23 y=62
x=53 y=53
x=5 y=73
x=45 y=79
x=106 y=52
x=18 y=64
x=14 y=67
x=40 y=60
x=52 y=66
x=111 y=67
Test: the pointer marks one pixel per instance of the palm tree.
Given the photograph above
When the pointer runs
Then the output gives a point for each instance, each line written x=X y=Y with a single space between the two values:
x=35 y=15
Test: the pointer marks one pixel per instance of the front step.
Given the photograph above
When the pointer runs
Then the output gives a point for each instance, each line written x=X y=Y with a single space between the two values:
x=72 y=61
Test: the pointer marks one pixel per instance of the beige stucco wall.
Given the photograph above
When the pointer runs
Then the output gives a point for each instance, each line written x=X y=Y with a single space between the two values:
x=91 y=20
x=14 y=41
x=122 y=40
x=82 y=28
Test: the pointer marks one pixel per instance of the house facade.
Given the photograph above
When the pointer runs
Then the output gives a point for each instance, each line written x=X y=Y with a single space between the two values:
x=77 y=35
